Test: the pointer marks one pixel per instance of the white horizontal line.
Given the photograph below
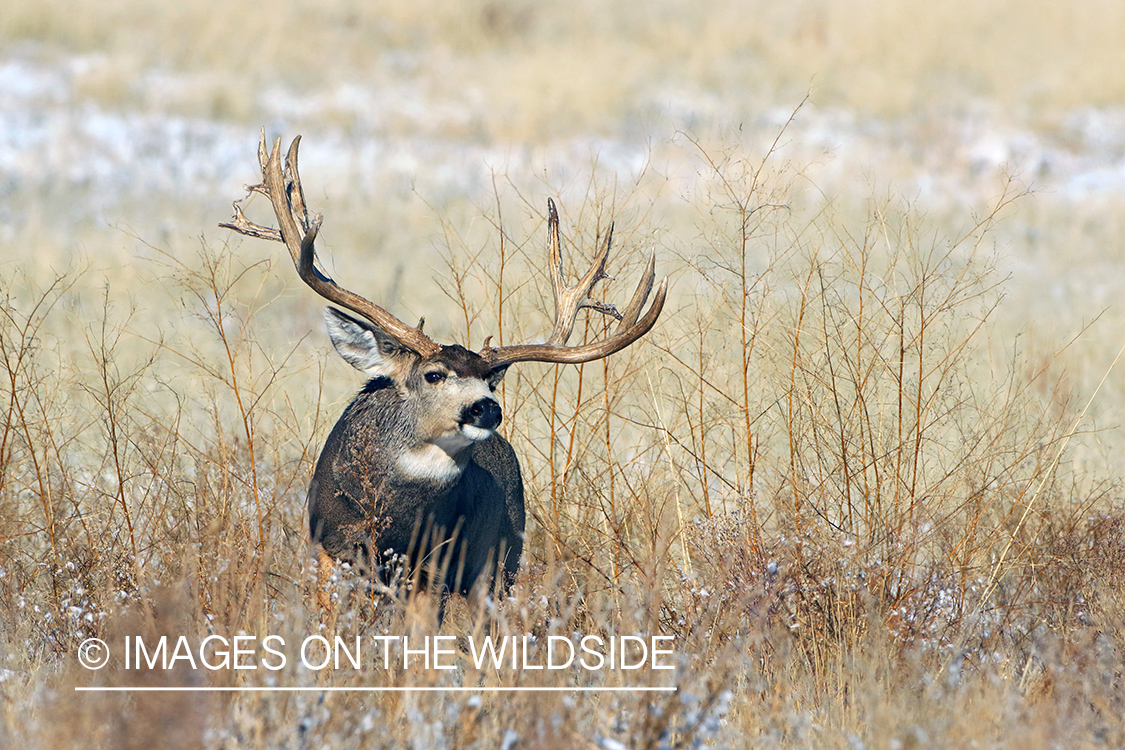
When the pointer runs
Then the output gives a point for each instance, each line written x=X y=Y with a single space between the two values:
x=391 y=689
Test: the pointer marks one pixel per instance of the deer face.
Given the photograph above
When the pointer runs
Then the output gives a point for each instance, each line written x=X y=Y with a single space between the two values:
x=448 y=396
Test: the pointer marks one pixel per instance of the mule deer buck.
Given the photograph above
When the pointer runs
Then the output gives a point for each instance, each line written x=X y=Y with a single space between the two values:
x=414 y=465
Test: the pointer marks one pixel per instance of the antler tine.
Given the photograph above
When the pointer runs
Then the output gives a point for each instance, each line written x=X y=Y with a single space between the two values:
x=242 y=225
x=239 y=222
x=629 y=317
x=283 y=187
x=569 y=300
x=263 y=155
x=554 y=254
x=294 y=192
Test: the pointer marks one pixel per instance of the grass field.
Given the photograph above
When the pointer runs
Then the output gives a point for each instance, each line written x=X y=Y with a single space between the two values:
x=866 y=471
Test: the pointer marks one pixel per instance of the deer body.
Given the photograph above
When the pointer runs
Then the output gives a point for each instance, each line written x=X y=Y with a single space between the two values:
x=414 y=466
x=411 y=470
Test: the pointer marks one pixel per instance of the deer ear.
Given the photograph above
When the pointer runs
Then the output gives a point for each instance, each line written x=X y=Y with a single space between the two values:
x=366 y=346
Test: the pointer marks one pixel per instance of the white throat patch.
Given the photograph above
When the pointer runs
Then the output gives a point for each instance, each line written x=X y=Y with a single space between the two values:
x=438 y=461
x=430 y=463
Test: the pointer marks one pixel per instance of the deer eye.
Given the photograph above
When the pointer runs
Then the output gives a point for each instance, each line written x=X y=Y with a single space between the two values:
x=435 y=377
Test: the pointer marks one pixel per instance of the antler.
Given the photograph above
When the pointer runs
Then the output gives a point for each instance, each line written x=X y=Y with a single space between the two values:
x=298 y=231
x=569 y=300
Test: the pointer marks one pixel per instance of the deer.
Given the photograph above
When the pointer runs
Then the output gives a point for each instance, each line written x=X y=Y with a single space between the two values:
x=415 y=469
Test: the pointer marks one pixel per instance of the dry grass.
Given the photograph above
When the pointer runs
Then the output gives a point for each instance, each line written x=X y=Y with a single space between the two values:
x=870 y=483
x=537 y=72
x=852 y=506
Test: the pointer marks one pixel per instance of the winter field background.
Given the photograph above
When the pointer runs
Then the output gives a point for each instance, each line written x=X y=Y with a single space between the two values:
x=867 y=470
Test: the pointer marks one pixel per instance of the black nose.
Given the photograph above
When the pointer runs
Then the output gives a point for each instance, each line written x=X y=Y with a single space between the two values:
x=484 y=413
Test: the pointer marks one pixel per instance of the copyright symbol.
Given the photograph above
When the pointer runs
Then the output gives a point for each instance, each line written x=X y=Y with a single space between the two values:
x=93 y=653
